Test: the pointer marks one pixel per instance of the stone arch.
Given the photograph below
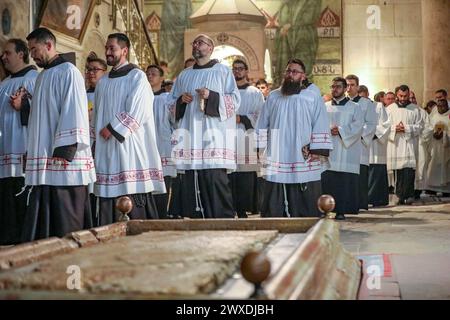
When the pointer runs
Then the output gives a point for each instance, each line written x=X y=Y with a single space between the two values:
x=234 y=41
x=96 y=42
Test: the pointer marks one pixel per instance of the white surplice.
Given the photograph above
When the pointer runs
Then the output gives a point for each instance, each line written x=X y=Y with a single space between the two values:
x=378 y=149
x=368 y=109
x=346 y=154
x=13 y=135
x=202 y=141
x=401 y=148
x=133 y=166
x=251 y=103
x=164 y=130
x=438 y=170
x=59 y=117
x=293 y=122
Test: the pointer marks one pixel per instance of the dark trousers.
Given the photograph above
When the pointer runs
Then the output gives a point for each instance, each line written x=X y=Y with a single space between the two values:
x=207 y=194
x=301 y=199
x=55 y=211
x=404 y=187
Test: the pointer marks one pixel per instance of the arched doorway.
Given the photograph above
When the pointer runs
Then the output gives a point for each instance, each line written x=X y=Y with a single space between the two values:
x=227 y=54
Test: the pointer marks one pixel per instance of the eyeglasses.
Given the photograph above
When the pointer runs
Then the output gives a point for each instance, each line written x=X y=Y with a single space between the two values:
x=294 y=72
x=197 y=43
x=238 y=68
x=94 y=70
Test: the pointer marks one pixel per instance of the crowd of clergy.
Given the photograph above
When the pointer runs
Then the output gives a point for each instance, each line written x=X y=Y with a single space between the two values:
x=209 y=144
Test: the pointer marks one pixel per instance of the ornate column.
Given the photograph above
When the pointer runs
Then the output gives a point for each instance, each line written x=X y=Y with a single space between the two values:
x=436 y=46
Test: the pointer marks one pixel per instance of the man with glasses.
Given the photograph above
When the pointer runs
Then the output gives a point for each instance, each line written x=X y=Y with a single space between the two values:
x=243 y=181
x=297 y=129
x=95 y=69
x=126 y=154
x=206 y=99
x=341 y=180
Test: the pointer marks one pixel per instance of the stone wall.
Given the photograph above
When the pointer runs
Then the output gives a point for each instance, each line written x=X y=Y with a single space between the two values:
x=389 y=56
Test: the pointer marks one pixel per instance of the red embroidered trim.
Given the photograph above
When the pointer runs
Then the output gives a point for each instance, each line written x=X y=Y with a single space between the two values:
x=11 y=158
x=130 y=176
x=128 y=121
x=198 y=154
x=292 y=167
x=50 y=164
x=70 y=132
x=229 y=106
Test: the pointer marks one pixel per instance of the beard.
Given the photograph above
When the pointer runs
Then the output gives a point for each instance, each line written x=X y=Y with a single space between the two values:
x=290 y=87
x=112 y=60
x=197 y=54
x=239 y=78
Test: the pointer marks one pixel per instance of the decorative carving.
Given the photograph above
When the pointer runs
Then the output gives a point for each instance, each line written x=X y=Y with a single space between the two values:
x=153 y=22
x=137 y=32
x=247 y=50
x=329 y=24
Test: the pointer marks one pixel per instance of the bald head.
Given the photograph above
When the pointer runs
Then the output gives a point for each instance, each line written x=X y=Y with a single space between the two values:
x=205 y=38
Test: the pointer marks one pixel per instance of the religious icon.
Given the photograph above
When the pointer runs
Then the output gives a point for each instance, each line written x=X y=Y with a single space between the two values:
x=70 y=17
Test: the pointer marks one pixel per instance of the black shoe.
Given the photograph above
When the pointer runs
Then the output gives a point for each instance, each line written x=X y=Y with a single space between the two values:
x=339 y=216
x=242 y=215
x=409 y=201
x=400 y=202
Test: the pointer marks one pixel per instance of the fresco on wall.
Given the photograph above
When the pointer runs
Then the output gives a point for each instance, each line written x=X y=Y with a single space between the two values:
x=174 y=20
x=306 y=29
x=297 y=34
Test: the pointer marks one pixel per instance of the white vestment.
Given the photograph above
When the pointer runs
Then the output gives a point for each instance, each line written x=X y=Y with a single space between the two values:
x=251 y=103
x=58 y=118
x=401 y=149
x=346 y=154
x=422 y=154
x=202 y=141
x=133 y=166
x=164 y=131
x=368 y=109
x=438 y=171
x=13 y=135
x=378 y=149
x=293 y=122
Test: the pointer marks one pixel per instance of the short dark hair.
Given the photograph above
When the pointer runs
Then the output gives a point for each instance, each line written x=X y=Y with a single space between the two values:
x=21 y=46
x=98 y=60
x=341 y=80
x=443 y=91
x=42 y=35
x=430 y=104
x=260 y=82
x=122 y=39
x=378 y=96
x=363 y=88
x=296 y=61
x=353 y=77
x=389 y=92
x=188 y=60
x=161 y=71
x=241 y=62
x=444 y=101
x=403 y=87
